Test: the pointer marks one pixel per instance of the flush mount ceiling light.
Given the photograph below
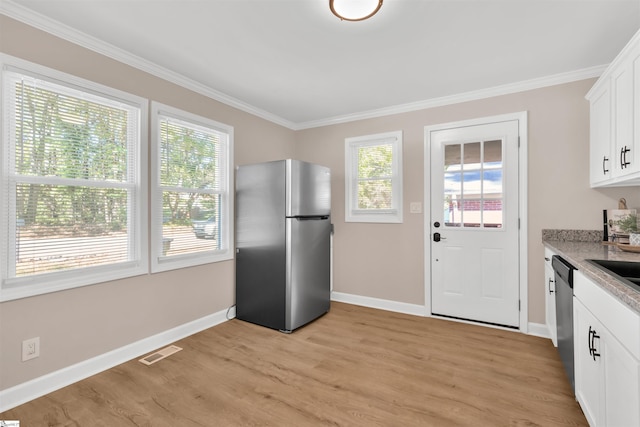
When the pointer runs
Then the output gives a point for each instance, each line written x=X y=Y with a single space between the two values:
x=354 y=10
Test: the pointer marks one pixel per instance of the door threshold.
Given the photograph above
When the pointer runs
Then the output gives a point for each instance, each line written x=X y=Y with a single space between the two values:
x=476 y=322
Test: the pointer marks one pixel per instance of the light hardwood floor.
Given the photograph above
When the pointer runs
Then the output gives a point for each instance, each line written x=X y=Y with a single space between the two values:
x=355 y=366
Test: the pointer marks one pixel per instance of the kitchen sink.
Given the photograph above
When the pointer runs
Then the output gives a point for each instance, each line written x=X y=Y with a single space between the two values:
x=626 y=271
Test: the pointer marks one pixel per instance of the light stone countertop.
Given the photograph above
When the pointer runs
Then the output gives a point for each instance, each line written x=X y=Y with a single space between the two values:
x=576 y=252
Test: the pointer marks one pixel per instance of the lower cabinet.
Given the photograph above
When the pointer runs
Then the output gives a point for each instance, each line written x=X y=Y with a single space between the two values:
x=550 y=296
x=607 y=372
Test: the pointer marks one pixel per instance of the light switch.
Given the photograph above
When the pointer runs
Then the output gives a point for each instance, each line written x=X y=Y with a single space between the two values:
x=415 y=207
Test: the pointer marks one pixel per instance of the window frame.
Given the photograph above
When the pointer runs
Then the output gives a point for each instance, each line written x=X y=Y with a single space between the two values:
x=12 y=288
x=352 y=213
x=159 y=262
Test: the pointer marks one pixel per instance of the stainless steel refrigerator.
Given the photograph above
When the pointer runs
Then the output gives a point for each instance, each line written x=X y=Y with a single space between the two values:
x=283 y=231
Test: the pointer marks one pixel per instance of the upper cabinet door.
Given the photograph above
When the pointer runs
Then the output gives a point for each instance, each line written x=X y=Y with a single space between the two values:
x=600 y=146
x=634 y=156
x=615 y=121
x=623 y=111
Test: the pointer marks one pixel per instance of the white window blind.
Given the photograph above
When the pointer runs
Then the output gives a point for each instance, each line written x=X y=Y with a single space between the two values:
x=192 y=204
x=374 y=178
x=70 y=183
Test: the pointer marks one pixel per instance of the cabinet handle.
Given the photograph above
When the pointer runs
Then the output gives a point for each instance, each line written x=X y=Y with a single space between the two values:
x=623 y=157
x=604 y=168
x=592 y=343
x=549 y=285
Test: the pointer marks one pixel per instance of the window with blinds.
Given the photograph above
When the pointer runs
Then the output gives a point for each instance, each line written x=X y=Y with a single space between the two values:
x=70 y=183
x=373 y=181
x=192 y=181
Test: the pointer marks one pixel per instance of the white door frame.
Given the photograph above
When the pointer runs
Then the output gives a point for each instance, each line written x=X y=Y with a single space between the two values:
x=521 y=117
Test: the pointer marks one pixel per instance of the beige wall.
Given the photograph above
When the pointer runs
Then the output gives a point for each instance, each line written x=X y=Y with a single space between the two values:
x=386 y=260
x=78 y=324
x=382 y=261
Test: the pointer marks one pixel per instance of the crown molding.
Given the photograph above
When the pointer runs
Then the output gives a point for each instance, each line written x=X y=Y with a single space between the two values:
x=41 y=22
x=507 y=89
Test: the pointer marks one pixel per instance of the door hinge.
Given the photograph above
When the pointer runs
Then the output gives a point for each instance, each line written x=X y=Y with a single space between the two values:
x=519 y=305
x=518 y=223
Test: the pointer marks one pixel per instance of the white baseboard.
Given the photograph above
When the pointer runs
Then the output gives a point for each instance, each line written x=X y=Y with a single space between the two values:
x=539 y=330
x=382 y=304
x=37 y=387
x=535 y=329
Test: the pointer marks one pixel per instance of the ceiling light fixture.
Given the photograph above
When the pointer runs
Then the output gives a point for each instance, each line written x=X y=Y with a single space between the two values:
x=354 y=10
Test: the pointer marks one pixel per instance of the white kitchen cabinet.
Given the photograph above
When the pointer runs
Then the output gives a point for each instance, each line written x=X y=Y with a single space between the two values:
x=622 y=91
x=634 y=155
x=600 y=145
x=550 y=296
x=588 y=368
x=607 y=356
x=615 y=121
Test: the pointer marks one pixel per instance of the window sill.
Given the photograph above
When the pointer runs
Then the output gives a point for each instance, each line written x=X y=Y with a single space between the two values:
x=385 y=218
x=23 y=287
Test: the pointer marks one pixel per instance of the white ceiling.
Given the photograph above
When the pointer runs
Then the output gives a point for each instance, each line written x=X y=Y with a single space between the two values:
x=294 y=62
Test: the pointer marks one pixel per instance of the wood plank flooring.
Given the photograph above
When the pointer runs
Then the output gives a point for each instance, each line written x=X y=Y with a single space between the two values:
x=355 y=366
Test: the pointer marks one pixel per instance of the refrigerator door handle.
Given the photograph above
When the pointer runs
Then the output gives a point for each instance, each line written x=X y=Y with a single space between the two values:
x=312 y=218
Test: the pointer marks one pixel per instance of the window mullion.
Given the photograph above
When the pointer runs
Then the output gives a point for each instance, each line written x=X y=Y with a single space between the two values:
x=190 y=190
x=70 y=182
x=376 y=178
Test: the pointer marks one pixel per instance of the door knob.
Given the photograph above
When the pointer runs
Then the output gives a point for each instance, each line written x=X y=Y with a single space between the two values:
x=437 y=237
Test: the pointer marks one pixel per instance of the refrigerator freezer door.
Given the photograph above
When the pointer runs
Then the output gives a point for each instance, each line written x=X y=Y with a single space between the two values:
x=260 y=196
x=308 y=189
x=308 y=270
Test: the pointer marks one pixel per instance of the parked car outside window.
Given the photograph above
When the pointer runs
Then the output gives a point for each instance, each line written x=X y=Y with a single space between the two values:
x=205 y=229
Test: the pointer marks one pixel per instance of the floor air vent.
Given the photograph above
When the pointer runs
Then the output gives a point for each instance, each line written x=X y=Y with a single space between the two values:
x=160 y=354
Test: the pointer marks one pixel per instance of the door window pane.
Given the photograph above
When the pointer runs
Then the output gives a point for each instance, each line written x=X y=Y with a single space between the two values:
x=471 y=212
x=493 y=154
x=492 y=212
x=472 y=155
x=492 y=182
x=452 y=191
x=473 y=184
x=452 y=185
x=452 y=157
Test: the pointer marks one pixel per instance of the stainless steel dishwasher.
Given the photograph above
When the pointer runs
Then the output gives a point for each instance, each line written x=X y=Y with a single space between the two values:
x=564 y=313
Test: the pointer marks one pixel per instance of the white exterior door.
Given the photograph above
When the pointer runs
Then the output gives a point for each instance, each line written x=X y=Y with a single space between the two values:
x=474 y=223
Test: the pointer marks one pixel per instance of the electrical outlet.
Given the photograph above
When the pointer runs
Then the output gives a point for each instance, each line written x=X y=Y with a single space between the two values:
x=30 y=349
